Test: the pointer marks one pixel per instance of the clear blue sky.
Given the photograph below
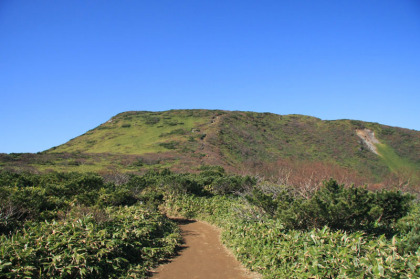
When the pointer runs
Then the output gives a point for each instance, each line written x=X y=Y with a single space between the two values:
x=68 y=66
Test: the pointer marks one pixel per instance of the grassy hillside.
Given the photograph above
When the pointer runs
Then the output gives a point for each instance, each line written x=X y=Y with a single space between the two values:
x=139 y=133
x=242 y=142
x=255 y=138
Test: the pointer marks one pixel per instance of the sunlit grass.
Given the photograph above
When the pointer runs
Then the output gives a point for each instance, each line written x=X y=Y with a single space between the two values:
x=133 y=136
x=394 y=162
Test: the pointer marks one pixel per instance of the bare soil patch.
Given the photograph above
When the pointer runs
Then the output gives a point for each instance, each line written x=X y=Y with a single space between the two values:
x=368 y=137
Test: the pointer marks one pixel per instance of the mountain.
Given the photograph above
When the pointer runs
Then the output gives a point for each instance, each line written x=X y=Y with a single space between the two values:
x=264 y=144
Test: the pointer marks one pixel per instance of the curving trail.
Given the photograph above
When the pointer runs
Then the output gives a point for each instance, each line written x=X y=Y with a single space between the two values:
x=202 y=256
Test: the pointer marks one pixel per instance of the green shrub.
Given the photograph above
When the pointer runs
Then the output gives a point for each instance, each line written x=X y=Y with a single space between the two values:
x=340 y=208
x=224 y=185
x=175 y=132
x=184 y=183
x=409 y=230
x=116 y=197
x=151 y=120
x=169 y=145
x=137 y=183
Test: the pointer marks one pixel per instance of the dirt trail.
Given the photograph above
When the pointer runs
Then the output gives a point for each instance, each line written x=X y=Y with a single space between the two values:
x=202 y=256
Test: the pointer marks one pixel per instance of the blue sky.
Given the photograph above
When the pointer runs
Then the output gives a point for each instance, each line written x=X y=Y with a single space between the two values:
x=68 y=66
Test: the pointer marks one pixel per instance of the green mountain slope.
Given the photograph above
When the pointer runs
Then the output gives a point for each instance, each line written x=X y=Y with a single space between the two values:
x=139 y=133
x=254 y=137
x=241 y=142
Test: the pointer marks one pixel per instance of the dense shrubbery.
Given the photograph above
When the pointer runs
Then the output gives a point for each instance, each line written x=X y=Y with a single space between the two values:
x=267 y=246
x=120 y=242
x=39 y=197
x=335 y=206
x=210 y=181
x=336 y=232
x=70 y=225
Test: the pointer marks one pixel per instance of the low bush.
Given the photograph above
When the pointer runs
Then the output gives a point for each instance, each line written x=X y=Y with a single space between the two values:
x=169 y=145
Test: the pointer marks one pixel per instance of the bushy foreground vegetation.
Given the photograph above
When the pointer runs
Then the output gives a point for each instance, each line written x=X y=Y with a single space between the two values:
x=269 y=247
x=84 y=225
x=335 y=206
x=126 y=243
x=336 y=232
x=77 y=226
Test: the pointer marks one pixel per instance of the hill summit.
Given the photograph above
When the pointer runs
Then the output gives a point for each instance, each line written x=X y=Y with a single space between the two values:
x=281 y=147
x=250 y=142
